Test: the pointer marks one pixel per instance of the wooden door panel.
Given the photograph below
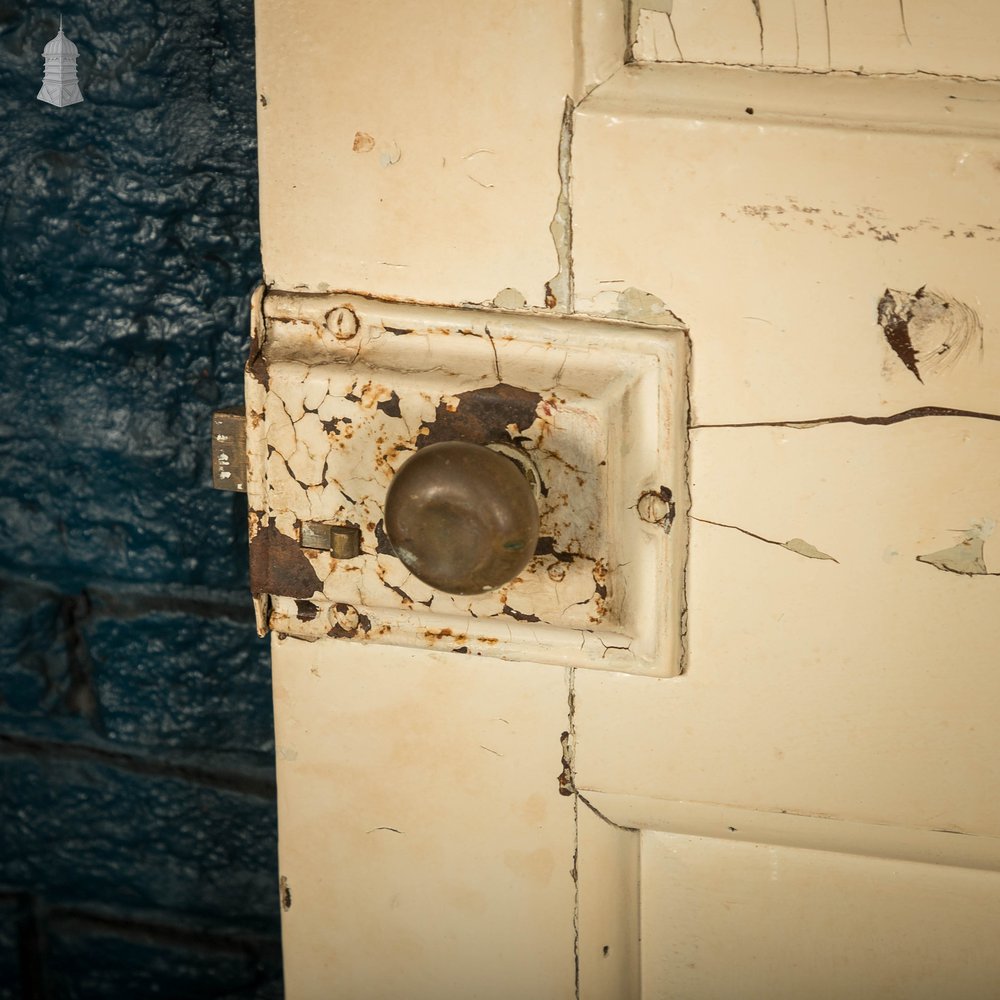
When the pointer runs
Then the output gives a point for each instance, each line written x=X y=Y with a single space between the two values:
x=760 y=921
x=424 y=848
x=770 y=821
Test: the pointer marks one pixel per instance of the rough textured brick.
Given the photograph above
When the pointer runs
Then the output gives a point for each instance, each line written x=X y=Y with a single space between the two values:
x=93 y=963
x=134 y=715
x=32 y=657
x=81 y=831
x=129 y=248
x=171 y=680
x=45 y=682
x=10 y=918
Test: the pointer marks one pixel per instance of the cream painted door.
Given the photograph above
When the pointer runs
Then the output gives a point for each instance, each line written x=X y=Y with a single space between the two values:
x=803 y=801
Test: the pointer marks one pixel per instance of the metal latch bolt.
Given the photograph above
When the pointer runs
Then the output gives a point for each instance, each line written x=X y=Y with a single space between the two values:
x=342 y=541
x=229 y=449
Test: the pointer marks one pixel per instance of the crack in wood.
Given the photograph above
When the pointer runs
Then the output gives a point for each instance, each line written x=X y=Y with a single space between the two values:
x=797 y=545
x=876 y=420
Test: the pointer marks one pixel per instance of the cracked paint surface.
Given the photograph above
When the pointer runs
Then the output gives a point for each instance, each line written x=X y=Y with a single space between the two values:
x=341 y=392
x=882 y=36
x=796 y=545
x=795 y=333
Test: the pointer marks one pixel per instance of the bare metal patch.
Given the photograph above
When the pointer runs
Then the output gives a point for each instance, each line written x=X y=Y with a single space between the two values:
x=279 y=566
x=482 y=416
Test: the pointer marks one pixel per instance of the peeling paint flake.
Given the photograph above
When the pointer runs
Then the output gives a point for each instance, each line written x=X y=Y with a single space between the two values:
x=796 y=545
x=803 y=548
x=966 y=556
x=559 y=288
x=509 y=298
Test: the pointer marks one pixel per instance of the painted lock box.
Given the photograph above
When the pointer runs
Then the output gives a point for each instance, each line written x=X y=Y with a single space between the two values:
x=341 y=390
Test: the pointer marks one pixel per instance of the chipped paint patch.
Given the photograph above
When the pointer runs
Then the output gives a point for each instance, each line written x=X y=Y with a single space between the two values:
x=638 y=306
x=928 y=332
x=390 y=155
x=559 y=288
x=855 y=222
x=632 y=305
x=804 y=548
x=509 y=298
x=346 y=622
x=966 y=556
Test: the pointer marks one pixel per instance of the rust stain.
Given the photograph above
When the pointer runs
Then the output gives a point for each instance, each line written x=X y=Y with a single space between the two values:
x=433 y=635
x=279 y=566
x=363 y=142
x=256 y=365
x=600 y=573
x=482 y=416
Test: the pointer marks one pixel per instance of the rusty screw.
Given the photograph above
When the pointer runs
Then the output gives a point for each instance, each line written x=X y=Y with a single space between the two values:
x=346 y=617
x=343 y=322
x=657 y=507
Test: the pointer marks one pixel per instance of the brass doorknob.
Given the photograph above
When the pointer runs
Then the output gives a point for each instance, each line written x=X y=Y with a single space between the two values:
x=461 y=517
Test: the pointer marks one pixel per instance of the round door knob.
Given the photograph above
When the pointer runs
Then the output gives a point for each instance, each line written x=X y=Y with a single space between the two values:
x=461 y=517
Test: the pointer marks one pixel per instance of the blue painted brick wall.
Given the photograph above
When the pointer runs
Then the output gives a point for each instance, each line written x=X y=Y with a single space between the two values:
x=137 y=812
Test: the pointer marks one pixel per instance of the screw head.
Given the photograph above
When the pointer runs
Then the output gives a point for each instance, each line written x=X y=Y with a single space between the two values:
x=343 y=322
x=346 y=617
x=656 y=506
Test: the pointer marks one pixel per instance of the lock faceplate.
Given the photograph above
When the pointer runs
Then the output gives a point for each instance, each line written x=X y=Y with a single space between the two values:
x=341 y=390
